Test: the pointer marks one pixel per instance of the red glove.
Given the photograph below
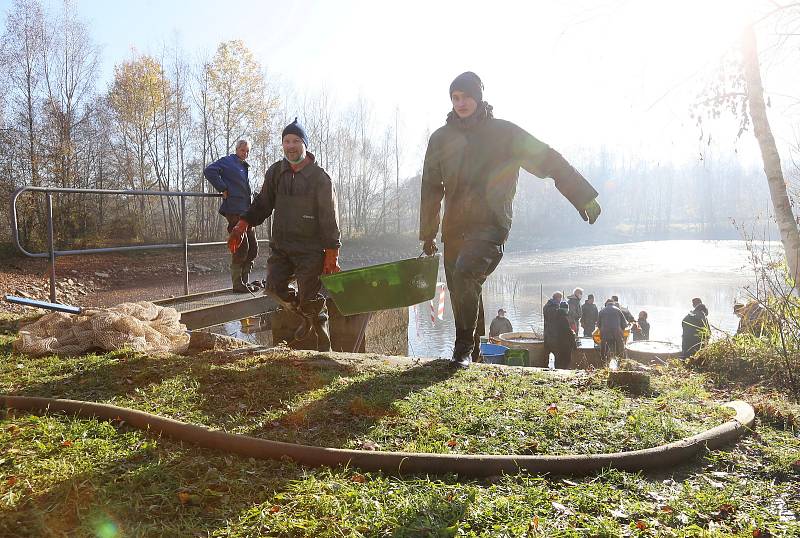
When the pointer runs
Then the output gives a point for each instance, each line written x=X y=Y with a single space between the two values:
x=237 y=235
x=330 y=264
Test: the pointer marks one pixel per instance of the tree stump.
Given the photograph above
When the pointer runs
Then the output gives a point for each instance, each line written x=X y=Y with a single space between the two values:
x=632 y=382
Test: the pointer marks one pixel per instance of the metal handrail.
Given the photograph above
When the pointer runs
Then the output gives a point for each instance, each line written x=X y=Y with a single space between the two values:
x=52 y=253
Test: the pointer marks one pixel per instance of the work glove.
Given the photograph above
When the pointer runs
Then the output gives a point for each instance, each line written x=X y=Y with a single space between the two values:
x=591 y=211
x=237 y=235
x=330 y=264
x=429 y=247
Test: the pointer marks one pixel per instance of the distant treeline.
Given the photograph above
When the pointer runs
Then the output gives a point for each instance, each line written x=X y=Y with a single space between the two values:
x=164 y=117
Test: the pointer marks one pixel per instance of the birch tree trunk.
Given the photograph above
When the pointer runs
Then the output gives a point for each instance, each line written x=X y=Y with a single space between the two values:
x=790 y=237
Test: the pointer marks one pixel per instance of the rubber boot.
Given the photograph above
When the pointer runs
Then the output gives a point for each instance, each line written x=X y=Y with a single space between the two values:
x=290 y=303
x=246 y=268
x=318 y=315
x=462 y=350
x=236 y=278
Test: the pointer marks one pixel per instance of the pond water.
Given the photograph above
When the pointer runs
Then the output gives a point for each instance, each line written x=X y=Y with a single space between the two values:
x=660 y=277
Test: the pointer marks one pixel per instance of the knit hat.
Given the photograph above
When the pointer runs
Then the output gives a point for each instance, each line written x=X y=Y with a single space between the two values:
x=296 y=129
x=469 y=83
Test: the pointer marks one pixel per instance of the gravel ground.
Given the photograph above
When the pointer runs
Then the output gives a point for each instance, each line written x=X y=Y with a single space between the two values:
x=109 y=279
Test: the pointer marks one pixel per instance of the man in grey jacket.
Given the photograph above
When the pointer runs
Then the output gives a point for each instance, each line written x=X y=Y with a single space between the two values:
x=574 y=302
x=473 y=163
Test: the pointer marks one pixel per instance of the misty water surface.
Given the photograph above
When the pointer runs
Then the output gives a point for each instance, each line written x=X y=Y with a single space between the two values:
x=660 y=277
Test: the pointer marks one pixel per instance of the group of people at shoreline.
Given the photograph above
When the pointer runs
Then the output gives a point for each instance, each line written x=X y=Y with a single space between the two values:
x=615 y=323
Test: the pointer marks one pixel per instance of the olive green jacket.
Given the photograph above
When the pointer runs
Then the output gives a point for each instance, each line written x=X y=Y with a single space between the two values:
x=474 y=166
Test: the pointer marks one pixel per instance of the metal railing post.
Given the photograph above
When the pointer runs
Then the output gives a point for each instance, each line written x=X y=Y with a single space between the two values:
x=51 y=247
x=185 y=247
x=52 y=253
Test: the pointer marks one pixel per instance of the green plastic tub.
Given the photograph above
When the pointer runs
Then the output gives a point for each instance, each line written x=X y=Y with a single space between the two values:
x=384 y=286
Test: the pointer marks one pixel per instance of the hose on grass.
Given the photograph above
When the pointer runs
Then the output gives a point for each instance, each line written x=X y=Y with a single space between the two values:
x=467 y=465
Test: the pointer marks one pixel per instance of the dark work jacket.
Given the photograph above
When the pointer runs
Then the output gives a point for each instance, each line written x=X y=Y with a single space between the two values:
x=231 y=174
x=694 y=327
x=499 y=326
x=473 y=164
x=589 y=316
x=306 y=211
x=611 y=322
x=561 y=336
x=643 y=330
x=549 y=313
x=574 y=310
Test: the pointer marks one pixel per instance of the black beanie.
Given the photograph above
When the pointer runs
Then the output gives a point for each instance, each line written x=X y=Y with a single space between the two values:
x=296 y=129
x=469 y=83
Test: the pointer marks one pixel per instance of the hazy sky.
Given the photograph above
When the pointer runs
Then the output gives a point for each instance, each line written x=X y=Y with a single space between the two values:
x=619 y=74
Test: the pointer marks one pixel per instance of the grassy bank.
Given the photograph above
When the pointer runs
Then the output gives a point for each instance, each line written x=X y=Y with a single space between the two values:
x=64 y=476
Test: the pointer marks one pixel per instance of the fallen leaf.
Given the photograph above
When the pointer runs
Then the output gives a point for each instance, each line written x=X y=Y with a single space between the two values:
x=552 y=409
x=360 y=478
x=563 y=509
x=11 y=481
x=531 y=447
x=641 y=525
x=727 y=508
x=13 y=429
x=796 y=466
x=667 y=509
x=184 y=497
x=67 y=443
x=368 y=445
x=535 y=523
x=619 y=514
x=452 y=443
x=274 y=509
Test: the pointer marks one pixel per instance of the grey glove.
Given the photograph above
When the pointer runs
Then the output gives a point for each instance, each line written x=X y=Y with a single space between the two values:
x=591 y=211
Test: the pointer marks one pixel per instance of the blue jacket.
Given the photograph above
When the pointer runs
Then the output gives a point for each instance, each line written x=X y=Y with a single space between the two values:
x=230 y=174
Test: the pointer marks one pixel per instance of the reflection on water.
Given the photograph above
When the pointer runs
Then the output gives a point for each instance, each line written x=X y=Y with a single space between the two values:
x=660 y=277
x=254 y=330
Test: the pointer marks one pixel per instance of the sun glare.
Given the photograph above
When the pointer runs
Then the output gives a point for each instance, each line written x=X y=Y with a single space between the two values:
x=682 y=35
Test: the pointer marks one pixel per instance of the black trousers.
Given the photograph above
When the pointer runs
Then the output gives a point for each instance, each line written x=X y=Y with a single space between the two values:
x=283 y=266
x=467 y=264
x=248 y=250
x=563 y=358
x=612 y=346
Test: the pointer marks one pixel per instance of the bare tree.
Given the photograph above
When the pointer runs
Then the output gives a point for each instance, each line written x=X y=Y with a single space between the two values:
x=22 y=46
x=790 y=236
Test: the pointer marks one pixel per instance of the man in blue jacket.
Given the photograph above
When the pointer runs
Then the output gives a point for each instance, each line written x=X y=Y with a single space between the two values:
x=229 y=175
